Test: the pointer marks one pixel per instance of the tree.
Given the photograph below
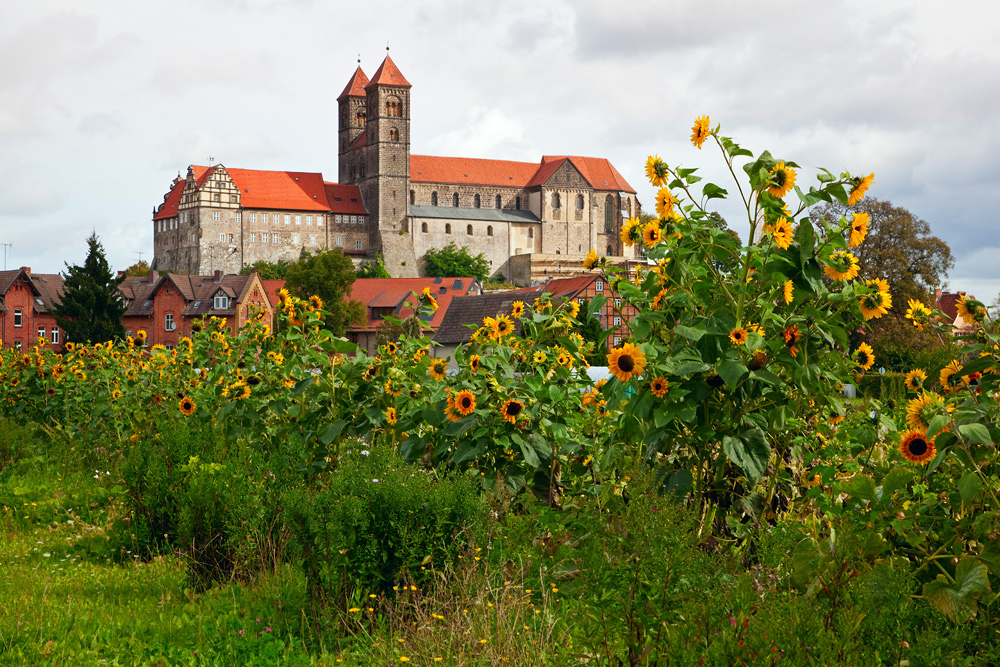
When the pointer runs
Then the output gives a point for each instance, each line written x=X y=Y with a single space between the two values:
x=900 y=249
x=267 y=270
x=329 y=274
x=91 y=307
x=589 y=328
x=137 y=270
x=454 y=262
x=374 y=269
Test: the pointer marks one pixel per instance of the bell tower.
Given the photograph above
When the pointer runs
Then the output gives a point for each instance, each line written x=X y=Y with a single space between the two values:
x=351 y=119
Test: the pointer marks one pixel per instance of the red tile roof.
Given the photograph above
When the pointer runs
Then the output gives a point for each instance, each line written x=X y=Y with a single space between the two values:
x=356 y=86
x=473 y=171
x=392 y=292
x=168 y=209
x=388 y=74
x=280 y=189
x=350 y=202
x=598 y=171
x=271 y=288
x=569 y=287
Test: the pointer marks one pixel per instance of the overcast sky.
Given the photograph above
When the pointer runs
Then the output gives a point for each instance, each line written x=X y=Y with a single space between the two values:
x=102 y=104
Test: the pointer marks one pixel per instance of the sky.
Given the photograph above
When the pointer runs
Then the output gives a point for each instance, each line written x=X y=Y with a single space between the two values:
x=103 y=104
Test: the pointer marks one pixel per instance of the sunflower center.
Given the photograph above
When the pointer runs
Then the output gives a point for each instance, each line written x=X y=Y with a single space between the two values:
x=918 y=447
x=626 y=363
x=514 y=409
x=466 y=402
x=780 y=177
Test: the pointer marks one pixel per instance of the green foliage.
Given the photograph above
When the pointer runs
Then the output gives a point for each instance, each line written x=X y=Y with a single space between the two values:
x=329 y=275
x=374 y=269
x=267 y=270
x=452 y=261
x=138 y=270
x=91 y=307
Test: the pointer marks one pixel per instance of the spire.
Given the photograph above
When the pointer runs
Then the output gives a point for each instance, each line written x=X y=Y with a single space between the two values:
x=389 y=75
x=356 y=86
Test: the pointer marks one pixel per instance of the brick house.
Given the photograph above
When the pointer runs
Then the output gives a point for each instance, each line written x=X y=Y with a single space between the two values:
x=165 y=306
x=454 y=329
x=26 y=302
x=614 y=315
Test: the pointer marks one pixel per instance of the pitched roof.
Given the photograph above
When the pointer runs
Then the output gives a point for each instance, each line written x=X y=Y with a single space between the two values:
x=356 y=86
x=392 y=292
x=388 y=74
x=168 y=209
x=280 y=189
x=597 y=171
x=465 y=310
x=199 y=292
x=271 y=288
x=569 y=287
x=7 y=279
x=360 y=141
x=345 y=199
x=50 y=290
x=471 y=171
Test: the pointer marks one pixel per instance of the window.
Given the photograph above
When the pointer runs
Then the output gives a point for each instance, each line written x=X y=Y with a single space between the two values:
x=531 y=232
x=357 y=245
x=230 y=238
x=468 y=230
x=338 y=241
x=217 y=197
x=222 y=238
x=608 y=252
x=298 y=220
x=265 y=237
x=263 y=217
x=55 y=336
x=393 y=108
x=168 y=322
x=599 y=286
x=253 y=237
x=579 y=202
x=454 y=200
x=274 y=237
x=336 y=219
x=319 y=221
x=609 y=211
x=41 y=332
x=309 y=220
x=618 y=341
x=221 y=302
x=312 y=239
x=288 y=219
x=618 y=302
x=413 y=198
x=618 y=321
x=354 y=219
x=556 y=203
x=423 y=227
x=447 y=228
x=499 y=202
x=239 y=216
x=489 y=230
x=475 y=201
x=393 y=134
x=215 y=216
x=253 y=218
x=517 y=203
x=434 y=199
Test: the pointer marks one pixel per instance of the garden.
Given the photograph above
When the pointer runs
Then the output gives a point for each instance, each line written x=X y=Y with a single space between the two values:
x=279 y=497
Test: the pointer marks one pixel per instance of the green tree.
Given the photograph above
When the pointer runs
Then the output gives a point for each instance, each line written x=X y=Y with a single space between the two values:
x=900 y=249
x=454 y=262
x=139 y=269
x=91 y=307
x=590 y=329
x=329 y=274
x=374 y=269
x=267 y=270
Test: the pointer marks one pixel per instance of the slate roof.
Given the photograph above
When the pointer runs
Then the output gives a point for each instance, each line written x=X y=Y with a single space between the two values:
x=465 y=310
x=452 y=213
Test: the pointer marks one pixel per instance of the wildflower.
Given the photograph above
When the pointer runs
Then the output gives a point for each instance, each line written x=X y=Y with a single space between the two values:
x=864 y=356
x=511 y=409
x=474 y=364
x=438 y=368
x=626 y=362
x=788 y=292
x=780 y=180
x=538 y=358
x=664 y=203
x=916 y=447
x=658 y=386
x=915 y=379
x=186 y=406
x=738 y=336
x=859 y=229
x=843 y=266
x=390 y=415
x=465 y=402
x=651 y=233
x=860 y=187
x=699 y=131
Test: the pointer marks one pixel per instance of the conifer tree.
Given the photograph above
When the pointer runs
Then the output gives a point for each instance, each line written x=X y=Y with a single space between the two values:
x=91 y=306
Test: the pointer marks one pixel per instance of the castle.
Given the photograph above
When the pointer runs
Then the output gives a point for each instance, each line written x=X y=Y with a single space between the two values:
x=390 y=202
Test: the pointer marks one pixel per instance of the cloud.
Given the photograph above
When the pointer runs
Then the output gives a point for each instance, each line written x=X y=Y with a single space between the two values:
x=486 y=132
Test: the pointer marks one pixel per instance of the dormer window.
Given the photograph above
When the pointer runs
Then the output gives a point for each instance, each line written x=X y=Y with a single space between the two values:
x=221 y=302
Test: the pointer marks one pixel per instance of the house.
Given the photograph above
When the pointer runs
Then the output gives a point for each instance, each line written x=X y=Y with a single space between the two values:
x=466 y=314
x=947 y=302
x=26 y=303
x=614 y=315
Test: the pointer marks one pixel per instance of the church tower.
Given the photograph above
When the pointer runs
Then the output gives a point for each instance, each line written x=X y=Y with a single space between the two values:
x=385 y=176
x=351 y=121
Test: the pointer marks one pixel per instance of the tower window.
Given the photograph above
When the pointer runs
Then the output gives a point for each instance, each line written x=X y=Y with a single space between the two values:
x=434 y=199
x=475 y=201
x=393 y=108
x=413 y=198
x=423 y=227
x=579 y=202
x=555 y=200
x=360 y=118
x=393 y=134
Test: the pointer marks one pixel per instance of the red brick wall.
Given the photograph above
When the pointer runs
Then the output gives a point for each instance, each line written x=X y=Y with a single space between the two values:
x=19 y=296
x=167 y=299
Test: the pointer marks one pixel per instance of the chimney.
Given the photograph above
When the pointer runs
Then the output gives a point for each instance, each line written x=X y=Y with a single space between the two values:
x=217 y=276
x=937 y=296
x=151 y=277
x=27 y=271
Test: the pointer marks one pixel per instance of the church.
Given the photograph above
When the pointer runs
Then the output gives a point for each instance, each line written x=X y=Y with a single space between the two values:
x=520 y=215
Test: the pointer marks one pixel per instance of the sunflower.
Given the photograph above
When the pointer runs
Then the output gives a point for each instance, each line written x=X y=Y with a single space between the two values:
x=792 y=337
x=564 y=360
x=700 y=131
x=517 y=310
x=474 y=364
x=630 y=232
x=915 y=379
x=780 y=180
x=877 y=303
x=626 y=362
x=186 y=405
x=590 y=260
x=843 y=266
x=659 y=387
x=651 y=233
x=392 y=388
x=859 y=229
x=656 y=171
x=465 y=402
x=860 y=187
x=70 y=346
x=918 y=314
x=116 y=394
x=946 y=373
x=438 y=368
x=432 y=304
x=390 y=348
x=539 y=358
x=916 y=447
x=738 y=336
x=758 y=361
x=782 y=232
x=788 y=292
x=922 y=409
x=665 y=203
x=969 y=309
x=574 y=308
x=390 y=415
x=835 y=418
x=511 y=409
x=658 y=299
x=315 y=301
x=502 y=326
x=864 y=356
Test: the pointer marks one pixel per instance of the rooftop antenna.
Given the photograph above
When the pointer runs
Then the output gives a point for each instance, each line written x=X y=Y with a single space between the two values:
x=138 y=252
x=387 y=48
x=359 y=60
x=5 y=246
x=211 y=159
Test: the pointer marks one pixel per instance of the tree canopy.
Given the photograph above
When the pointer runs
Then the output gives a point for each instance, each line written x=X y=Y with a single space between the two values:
x=374 y=269
x=453 y=261
x=267 y=270
x=91 y=306
x=329 y=274
x=139 y=269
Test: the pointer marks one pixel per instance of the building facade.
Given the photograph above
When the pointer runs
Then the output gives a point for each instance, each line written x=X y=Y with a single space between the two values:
x=26 y=303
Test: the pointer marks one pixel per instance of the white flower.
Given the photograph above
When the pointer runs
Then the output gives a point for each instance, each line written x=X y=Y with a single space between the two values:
x=375 y=480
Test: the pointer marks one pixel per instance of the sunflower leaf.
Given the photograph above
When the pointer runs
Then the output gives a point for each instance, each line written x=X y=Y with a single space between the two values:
x=749 y=452
x=958 y=601
x=969 y=487
x=937 y=423
x=713 y=191
x=976 y=433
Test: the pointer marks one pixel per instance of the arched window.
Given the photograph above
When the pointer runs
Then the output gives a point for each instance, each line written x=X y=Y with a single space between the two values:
x=423 y=227
x=413 y=198
x=468 y=230
x=447 y=228
x=579 y=202
x=434 y=199
x=499 y=202
x=609 y=211
x=531 y=232
x=517 y=203
x=454 y=200
x=393 y=107
x=475 y=201
x=393 y=134
x=555 y=200
x=557 y=251
x=489 y=230
x=360 y=118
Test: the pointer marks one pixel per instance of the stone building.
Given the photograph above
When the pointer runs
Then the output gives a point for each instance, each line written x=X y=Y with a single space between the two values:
x=219 y=218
